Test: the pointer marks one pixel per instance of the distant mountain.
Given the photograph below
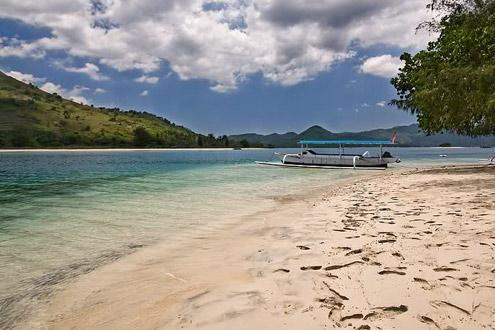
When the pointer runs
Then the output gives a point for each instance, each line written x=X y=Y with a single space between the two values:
x=30 y=117
x=407 y=136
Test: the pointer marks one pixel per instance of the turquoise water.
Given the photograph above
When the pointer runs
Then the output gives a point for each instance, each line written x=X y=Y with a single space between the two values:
x=65 y=213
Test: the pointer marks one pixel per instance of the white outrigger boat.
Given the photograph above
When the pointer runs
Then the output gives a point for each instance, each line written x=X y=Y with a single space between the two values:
x=310 y=158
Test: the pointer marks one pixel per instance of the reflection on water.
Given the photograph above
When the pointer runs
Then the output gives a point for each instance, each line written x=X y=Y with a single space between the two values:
x=65 y=213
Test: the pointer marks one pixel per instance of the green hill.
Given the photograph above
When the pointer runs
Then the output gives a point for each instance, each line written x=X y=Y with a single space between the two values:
x=30 y=117
x=408 y=136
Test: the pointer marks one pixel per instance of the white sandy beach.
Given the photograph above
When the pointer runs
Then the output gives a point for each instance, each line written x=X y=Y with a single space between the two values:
x=399 y=249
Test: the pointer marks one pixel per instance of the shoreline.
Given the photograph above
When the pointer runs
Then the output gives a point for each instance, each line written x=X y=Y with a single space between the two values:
x=251 y=273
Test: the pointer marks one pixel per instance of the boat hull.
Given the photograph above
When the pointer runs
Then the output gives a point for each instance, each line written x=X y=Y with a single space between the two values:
x=336 y=160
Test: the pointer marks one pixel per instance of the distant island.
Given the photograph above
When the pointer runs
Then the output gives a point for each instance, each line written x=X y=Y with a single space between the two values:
x=408 y=136
x=32 y=118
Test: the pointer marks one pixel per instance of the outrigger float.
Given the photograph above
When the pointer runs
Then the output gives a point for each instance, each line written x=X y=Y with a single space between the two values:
x=312 y=159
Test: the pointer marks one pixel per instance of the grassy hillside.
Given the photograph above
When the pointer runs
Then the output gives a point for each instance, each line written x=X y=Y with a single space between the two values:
x=30 y=117
x=408 y=136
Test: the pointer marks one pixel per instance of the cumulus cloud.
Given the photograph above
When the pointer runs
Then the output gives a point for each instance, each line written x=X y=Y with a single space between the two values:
x=74 y=94
x=89 y=69
x=50 y=87
x=20 y=48
x=25 y=77
x=100 y=91
x=148 y=79
x=386 y=66
x=144 y=93
x=224 y=42
x=381 y=104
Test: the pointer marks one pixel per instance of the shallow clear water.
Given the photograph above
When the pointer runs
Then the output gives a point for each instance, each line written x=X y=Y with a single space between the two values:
x=64 y=213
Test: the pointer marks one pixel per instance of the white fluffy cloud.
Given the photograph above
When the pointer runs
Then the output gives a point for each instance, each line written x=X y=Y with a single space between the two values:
x=25 y=77
x=89 y=69
x=74 y=94
x=148 y=79
x=287 y=41
x=50 y=87
x=144 y=93
x=386 y=66
x=19 y=48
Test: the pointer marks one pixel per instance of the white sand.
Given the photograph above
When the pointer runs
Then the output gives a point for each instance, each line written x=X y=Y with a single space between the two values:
x=398 y=250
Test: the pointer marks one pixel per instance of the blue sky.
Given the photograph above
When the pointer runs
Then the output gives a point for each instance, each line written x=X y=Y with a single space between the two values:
x=339 y=81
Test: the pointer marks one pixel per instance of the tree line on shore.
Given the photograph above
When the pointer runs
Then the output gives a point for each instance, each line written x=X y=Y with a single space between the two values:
x=21 y=137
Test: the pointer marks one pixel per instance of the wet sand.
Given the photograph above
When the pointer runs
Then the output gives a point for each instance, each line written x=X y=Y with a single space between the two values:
x=404 y=250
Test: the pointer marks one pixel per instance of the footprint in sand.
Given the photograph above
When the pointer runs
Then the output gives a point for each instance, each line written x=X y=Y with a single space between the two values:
x=281 y=270
x=387 y=272
x=445 y=269
x=336 y=294
x=302 y=247
x=350 y=317
x=459 y=260
x=443 y=303
x=378 y=313
x=387 y=241
x=311 y=268
x=429 y=321
x=332 y=267
x=425 y=285
x=354 y=252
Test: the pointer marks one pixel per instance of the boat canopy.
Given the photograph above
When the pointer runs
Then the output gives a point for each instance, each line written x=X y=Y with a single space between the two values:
x=375 y=142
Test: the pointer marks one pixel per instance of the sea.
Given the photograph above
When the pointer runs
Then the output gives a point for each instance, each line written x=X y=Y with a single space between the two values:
x=65 y=213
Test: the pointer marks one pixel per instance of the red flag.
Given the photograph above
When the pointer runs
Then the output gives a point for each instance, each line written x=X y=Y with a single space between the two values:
x=394 y=137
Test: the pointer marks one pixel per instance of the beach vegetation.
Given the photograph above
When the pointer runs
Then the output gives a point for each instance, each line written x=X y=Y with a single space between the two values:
x=142 y=137
x=244 y=143
x=450 y=86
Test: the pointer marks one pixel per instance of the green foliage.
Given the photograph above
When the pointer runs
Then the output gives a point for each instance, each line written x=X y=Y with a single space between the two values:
x=22 y=137
x=244 y=143
x=141 y=137
x=450 y=86
x=445 y=145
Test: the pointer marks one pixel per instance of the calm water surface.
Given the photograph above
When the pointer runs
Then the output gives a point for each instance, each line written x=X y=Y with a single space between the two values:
x=65 y=213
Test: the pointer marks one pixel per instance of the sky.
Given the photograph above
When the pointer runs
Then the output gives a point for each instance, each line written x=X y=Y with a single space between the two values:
x=221 y=67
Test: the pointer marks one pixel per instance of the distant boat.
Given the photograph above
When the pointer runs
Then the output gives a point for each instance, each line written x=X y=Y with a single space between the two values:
x=443 y=156
x=310 y=158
